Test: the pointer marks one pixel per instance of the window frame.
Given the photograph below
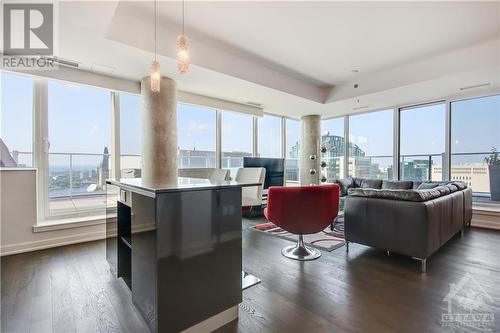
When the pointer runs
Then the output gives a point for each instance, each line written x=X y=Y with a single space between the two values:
x=345 y=131
x=257 y=152
x=41 y=87
x=40 y=134
x=445 y=162
x=348 y=133
x=284 y=144
x=449 y=131
x=216 y=121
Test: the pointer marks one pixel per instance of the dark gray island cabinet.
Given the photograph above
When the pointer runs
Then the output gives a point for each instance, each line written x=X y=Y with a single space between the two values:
x=178 y=249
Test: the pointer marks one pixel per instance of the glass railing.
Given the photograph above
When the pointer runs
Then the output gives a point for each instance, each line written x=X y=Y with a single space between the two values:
x=77 y=180
x=334 y=168
x=76 y=174
x=421 y=167
x=184 y=162
x=376 y=166
x=291 y=170
x=472 y=169
x=233 y=163
x=24 y=159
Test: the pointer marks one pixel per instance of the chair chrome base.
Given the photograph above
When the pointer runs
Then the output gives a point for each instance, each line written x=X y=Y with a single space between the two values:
x=300 y=251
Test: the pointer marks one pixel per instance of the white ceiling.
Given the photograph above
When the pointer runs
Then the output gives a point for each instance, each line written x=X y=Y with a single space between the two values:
x=296 y=57
x=323 y=41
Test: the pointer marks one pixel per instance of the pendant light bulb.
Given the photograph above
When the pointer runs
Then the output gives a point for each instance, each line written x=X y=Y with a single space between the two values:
x=183 y=47
x=182 y=54
x=155 y=76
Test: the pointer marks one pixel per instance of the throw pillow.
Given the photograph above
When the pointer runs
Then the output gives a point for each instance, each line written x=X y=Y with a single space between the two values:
x=427 y=186
x=371 y=183
x=345 y=184
x=396 y=185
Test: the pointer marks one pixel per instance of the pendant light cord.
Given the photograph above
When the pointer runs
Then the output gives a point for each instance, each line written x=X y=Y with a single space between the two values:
x=155 y=27
x=183 y=17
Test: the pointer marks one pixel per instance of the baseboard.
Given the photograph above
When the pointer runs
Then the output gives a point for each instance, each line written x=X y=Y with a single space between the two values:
x=215 y=322
x=486 y=219
x=51 y=242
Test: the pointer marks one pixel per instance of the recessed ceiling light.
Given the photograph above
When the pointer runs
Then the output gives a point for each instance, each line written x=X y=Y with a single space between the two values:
x=354 y=70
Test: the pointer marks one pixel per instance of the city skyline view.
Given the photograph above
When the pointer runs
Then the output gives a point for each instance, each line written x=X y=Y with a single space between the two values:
x=422 y=133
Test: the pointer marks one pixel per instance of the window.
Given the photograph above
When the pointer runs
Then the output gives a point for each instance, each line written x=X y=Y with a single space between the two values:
x=292 y=150
x=370 y=145
x=79 y=119
x=196 y=136
x=332 y=138
x=130 y=135
x=16 y=119
x=269 y=133
x=475 y=125
x=237 y=136
x=422 y=142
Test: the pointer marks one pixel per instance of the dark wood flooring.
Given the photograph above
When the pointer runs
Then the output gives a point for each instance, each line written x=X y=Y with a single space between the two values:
x=70 y=289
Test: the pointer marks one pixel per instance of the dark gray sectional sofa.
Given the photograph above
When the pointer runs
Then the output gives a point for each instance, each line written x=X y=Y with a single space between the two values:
x=405 y=217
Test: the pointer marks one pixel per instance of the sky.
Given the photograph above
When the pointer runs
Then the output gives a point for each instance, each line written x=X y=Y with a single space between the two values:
x=80 y=121
x=236 y=132
x=269 y=136
x=130 y=124
x=292 y=134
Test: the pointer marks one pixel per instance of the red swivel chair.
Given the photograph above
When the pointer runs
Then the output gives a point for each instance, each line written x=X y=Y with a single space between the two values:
x=302 y=210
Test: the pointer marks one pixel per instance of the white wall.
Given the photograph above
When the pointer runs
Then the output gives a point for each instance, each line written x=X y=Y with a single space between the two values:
x=18 y=217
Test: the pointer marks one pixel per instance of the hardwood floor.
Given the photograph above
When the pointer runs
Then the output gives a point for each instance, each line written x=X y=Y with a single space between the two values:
x=70 y=289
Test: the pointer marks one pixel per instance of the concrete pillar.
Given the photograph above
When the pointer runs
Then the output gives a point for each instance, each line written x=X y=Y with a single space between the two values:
x=159 y=133
x=310 y=157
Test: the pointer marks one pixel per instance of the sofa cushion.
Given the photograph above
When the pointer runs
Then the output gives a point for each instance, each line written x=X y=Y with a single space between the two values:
x=416 y=184
x=452 y=187
x=367 y=183
x=357 y=182
x=444 y=190
x=371 y=183
x=397 y=185
x=405 y=195
x=459 y=184
x=426 y=186
x=345 y=184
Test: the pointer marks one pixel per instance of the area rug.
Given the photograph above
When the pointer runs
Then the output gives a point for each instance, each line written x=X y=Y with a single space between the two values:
x=327 y=239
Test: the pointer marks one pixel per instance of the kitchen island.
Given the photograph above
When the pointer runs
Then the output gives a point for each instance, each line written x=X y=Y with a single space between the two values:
x=178 y=249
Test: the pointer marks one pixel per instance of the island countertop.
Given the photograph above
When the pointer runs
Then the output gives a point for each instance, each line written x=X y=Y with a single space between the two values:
x=178 y=249
x=183 y=184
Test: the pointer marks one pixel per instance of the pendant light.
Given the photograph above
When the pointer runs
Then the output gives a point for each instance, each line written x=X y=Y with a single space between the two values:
x=155 y=65
x=182 y=49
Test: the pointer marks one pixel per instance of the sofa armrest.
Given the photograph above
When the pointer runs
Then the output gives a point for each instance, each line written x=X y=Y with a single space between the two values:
x=344 y=185
x=409 y=228
x=467 y=193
